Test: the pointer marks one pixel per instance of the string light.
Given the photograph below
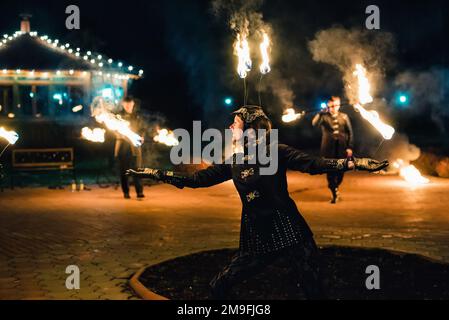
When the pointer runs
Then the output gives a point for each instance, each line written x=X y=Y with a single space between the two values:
x=65 y=47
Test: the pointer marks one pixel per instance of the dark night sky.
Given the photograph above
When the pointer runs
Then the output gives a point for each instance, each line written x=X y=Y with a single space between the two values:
x=187 y=55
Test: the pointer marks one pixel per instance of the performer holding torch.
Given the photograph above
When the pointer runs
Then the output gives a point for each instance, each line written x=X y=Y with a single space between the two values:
x=127 y=154
x=337 y=140
x=271 y=224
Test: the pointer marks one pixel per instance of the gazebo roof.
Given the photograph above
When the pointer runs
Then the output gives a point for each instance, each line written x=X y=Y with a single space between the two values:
x=25 y=50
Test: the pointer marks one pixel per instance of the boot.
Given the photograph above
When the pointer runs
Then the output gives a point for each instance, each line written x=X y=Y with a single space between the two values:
x=334 y=196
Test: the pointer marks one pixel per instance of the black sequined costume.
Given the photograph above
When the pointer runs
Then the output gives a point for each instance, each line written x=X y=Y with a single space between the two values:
x=271 y=223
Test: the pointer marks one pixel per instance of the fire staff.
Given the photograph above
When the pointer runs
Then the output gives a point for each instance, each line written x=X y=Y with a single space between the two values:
x=337 y=140
x=127 y=154
x=271 y=225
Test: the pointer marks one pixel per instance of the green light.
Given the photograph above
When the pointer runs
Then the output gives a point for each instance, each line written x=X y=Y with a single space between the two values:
x=228 y=101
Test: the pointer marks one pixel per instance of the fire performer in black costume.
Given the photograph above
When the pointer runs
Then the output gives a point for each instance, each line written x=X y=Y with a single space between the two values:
x=128 y=155
x=337 y=140
x=271 y=226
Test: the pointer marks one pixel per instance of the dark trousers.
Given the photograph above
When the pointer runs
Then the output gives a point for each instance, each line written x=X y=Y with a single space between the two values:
x=128 y=161
x=334 y=179
x=303 y=261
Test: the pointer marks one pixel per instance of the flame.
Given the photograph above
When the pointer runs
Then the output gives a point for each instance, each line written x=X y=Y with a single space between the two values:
x=364 y=85
x=372 y=117
x=166 y=137
x=95 y=135
x=264 y=46
x=290 y=115
x=364 y=97
x=10 y=136
x=409 y=173
x=116 y=123
x=241 y=50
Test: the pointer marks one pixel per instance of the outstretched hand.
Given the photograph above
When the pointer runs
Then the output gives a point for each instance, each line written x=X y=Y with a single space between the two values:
x=371 y=165
x=145 y=173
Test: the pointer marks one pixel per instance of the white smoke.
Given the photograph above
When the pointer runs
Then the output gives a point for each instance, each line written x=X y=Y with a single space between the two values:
x=344 y=48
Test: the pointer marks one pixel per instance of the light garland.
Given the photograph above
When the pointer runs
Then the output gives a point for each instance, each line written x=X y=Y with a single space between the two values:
x=71 y=73
x=100 y=60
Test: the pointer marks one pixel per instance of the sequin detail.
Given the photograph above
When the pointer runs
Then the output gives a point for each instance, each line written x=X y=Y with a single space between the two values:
x=252 y=195
x=247 y=173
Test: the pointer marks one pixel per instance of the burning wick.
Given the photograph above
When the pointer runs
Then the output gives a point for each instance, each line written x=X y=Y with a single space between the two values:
x=166 y=137
x=10 y=136
x=364 y=86
x=95 y=135
x=264 y=46
x=364 y=97
x=372 y=117
x=290 y=115
x=241 y=50
x=100 y=110
x=116 y=123
x=410 y=174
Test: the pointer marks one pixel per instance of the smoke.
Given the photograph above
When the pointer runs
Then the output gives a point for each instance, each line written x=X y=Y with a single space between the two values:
x=399 y=147
x=428 y=92
x=280 y=86
x=244 y=16
x=344 y=48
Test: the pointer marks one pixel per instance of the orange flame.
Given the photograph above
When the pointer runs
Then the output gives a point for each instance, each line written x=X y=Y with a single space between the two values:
x=166 y=137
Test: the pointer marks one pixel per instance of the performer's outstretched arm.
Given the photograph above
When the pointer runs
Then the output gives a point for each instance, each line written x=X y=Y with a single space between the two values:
x=300 y=161
x=213 y=175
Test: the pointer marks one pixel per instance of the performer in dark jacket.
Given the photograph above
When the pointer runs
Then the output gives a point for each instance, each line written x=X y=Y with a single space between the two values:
x=271 y=224
x=128 y=155
x=337 y=140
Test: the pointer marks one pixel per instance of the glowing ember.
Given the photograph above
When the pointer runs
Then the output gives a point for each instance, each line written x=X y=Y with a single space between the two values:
x=264 y=46
x=95 y=135
x=166 y=137
x=241 y=50
x=290 y=115
x=116 y=123
x=410 y=174
x=10 y=136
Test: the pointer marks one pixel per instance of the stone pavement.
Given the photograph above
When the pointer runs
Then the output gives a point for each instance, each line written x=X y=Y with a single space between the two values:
x=43 y=231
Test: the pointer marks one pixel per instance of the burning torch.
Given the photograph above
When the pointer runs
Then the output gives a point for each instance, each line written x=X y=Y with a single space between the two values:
x=364 y=97
x=102 y=114
x=9 y=136
x=167 y=137
x=264 y=68
x=93 y=135
x=290 y=115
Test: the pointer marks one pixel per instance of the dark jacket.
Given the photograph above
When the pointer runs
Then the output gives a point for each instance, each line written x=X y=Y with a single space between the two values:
x=270 y=218
x=123 y=147
x=337 y=135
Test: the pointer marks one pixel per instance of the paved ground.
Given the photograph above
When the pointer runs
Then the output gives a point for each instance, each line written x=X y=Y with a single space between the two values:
x=43 y=231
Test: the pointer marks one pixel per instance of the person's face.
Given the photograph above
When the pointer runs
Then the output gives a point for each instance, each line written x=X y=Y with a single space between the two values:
x=334 y=107
x=237 y=128
x=128 y=106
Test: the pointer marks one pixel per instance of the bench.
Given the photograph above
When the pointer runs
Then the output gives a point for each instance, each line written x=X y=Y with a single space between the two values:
x=35 y=161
